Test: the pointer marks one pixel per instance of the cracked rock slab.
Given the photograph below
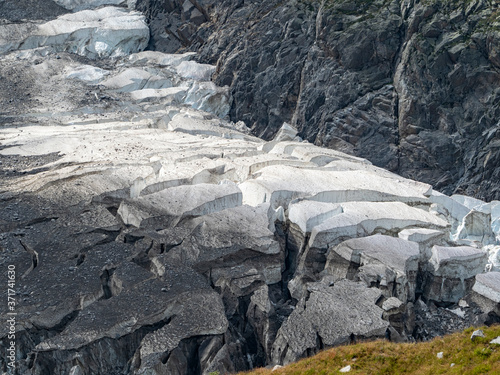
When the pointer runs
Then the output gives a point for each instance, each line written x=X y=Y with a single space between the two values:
x=426 y=238
x=487 y=286
x=388 y=262
x=451 y=270
x=329 y=316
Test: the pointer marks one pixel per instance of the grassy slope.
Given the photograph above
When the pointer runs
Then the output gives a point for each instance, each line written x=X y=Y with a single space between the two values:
x=382 y=357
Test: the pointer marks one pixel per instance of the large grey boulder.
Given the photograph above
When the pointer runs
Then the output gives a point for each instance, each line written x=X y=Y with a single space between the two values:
x=389 y=263
x=426 y=239
x=486 y=293
x=451 y=271
x=330 y=315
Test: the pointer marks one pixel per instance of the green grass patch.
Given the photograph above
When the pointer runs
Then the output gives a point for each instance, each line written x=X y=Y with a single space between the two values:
x=460 y=356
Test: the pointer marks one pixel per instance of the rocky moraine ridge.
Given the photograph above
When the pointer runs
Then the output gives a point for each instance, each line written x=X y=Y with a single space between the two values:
x=151 y=234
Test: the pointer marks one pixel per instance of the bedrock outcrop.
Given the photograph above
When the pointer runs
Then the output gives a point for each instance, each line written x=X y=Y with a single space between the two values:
x=150 y=234
x=410 y=85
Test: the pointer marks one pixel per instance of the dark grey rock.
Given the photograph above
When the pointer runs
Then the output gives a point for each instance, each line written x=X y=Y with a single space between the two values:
x=329 y=316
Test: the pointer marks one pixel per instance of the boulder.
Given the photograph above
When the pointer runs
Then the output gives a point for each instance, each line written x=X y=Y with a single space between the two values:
x=330 y=315
x=426 y=239
x=477 y=334
x=451 y=271
x=345 y=369
x=486 y=293
x=388 y=263
x=476 y=226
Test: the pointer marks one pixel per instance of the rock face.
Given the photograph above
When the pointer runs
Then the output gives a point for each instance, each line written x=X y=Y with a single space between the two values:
x=451 y=271
x=328 y=316
x=389 y=263
x=150 y=234
x=486 y=293
x=411 y=86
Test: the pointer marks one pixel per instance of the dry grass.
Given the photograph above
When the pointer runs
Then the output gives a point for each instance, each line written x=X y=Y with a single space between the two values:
x=382 y=357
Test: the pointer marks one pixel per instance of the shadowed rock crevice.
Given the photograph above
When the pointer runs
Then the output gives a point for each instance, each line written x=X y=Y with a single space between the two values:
x=110 y=355
x=34 y=258
x=108 y=281
x=30 y=338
